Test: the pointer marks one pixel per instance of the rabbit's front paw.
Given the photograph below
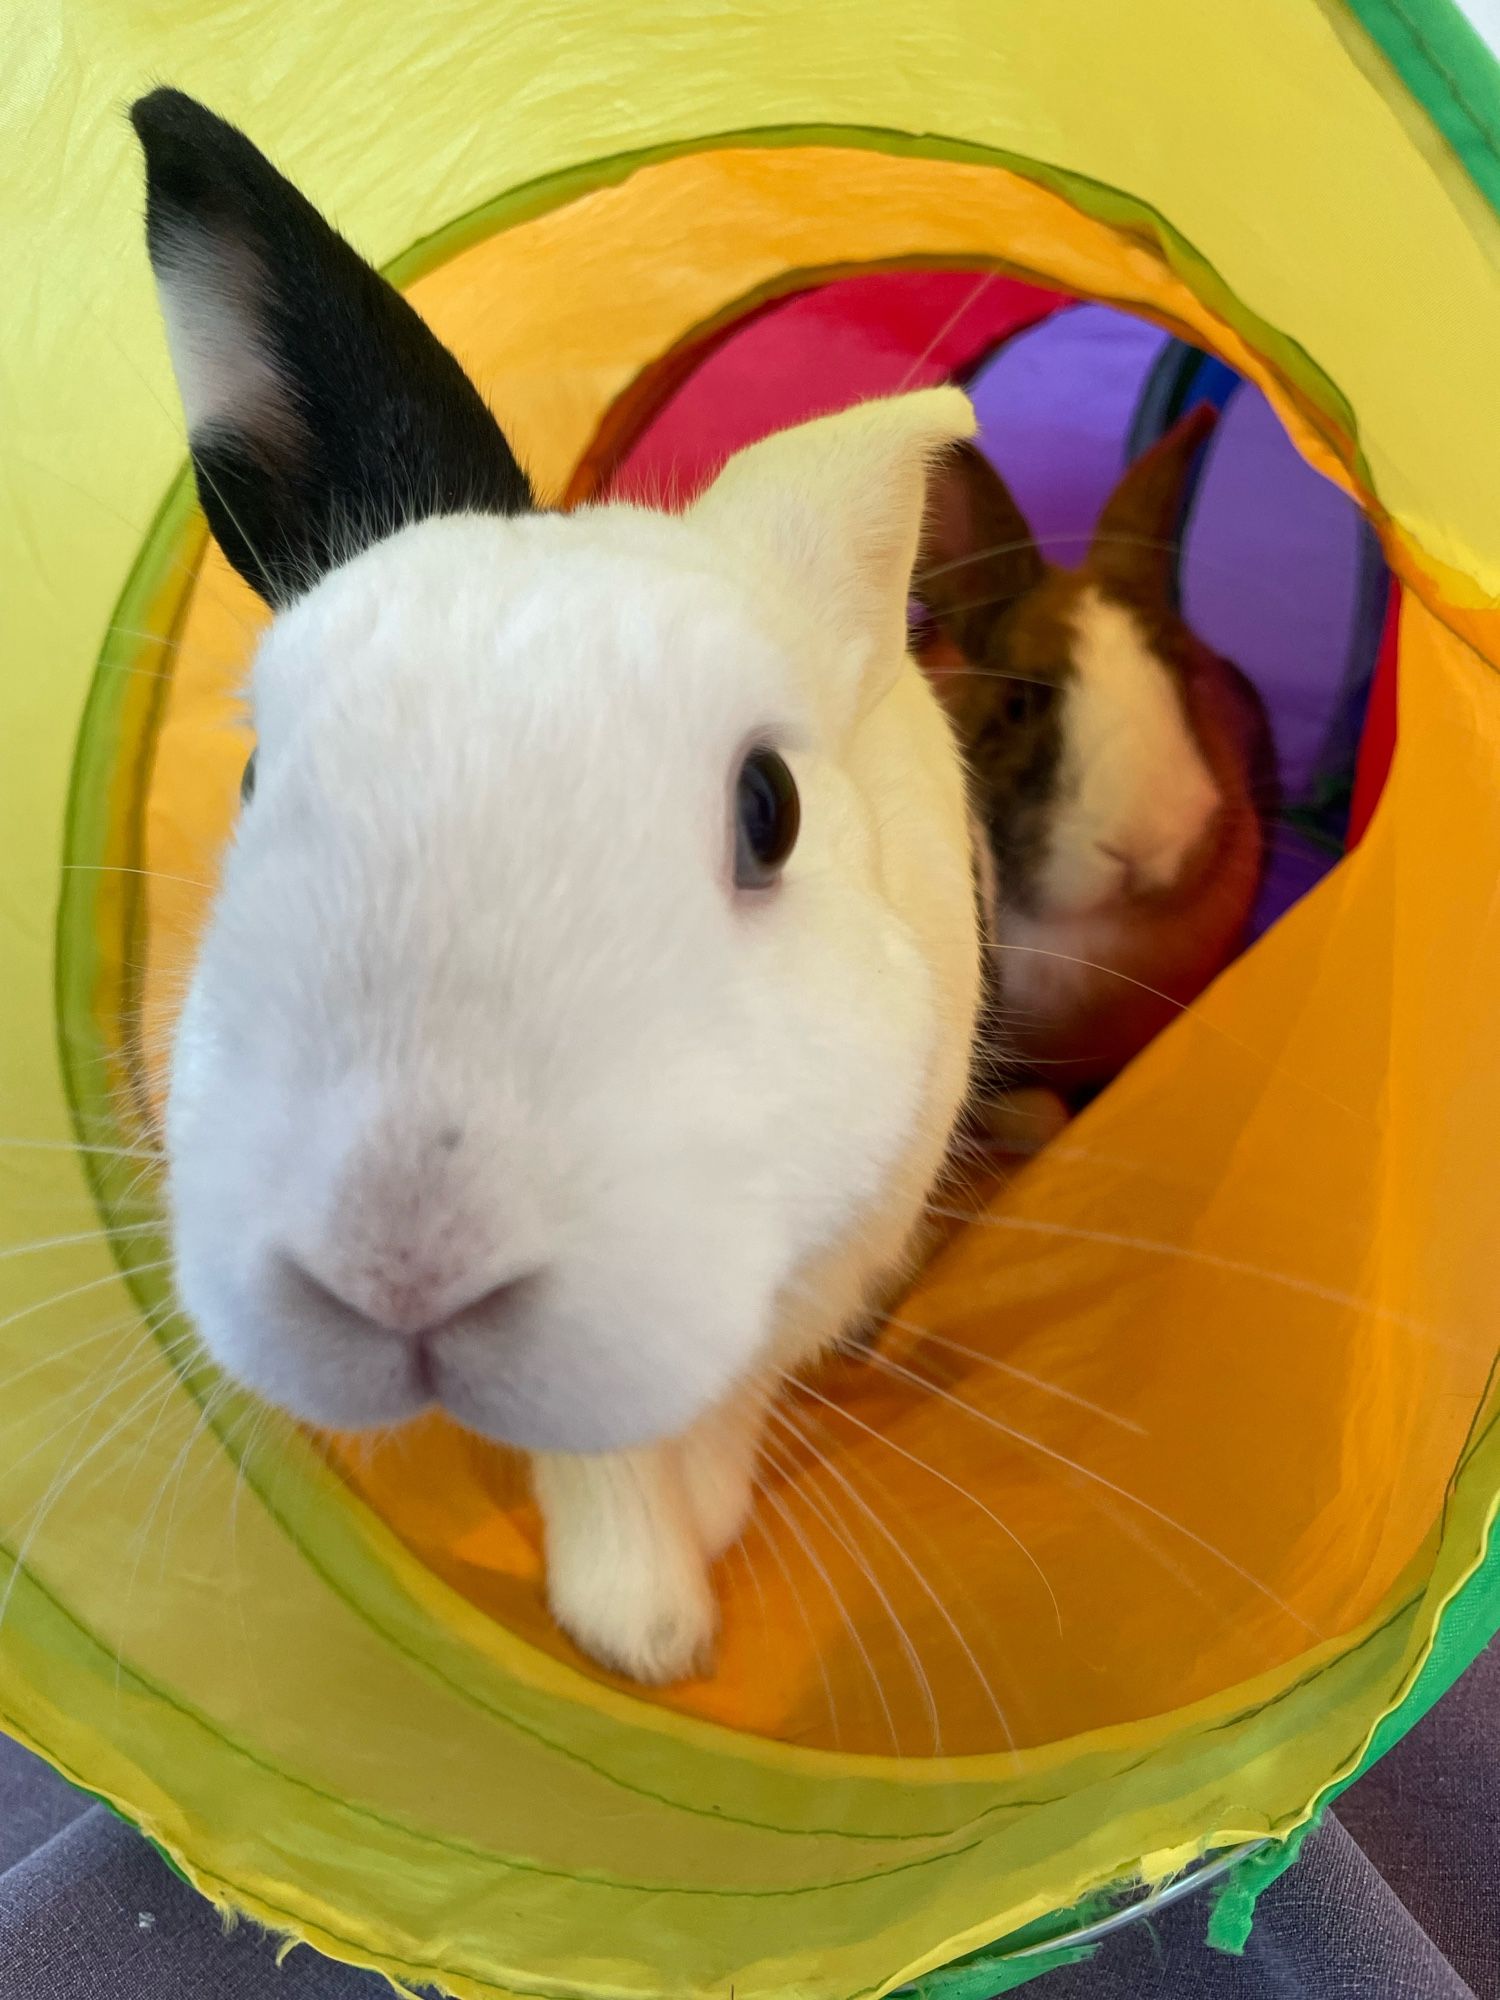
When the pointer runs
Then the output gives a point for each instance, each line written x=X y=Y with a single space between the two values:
x=651 y=1617
x=627 y=1579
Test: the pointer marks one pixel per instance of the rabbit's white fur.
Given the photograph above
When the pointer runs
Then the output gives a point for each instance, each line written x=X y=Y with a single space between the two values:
x=483 y=1038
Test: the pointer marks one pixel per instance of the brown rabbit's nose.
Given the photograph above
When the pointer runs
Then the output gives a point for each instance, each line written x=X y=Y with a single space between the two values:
x=1126 y=861
x=1153 y=869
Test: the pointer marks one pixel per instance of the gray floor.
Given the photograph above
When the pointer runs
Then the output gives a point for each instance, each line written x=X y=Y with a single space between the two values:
x=1398 y=1899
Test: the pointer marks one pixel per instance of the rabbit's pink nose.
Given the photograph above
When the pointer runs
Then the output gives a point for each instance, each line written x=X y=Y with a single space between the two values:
x=1148 y=869
x=419 y=1303
x=1126 y=862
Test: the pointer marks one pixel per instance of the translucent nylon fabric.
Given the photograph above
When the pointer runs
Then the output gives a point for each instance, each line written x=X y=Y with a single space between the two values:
x=325 y=1685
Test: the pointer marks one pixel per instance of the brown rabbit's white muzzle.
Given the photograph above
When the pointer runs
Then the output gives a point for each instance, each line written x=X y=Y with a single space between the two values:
x=1137 y=802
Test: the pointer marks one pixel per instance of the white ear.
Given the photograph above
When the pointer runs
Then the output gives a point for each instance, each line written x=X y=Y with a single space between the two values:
x=833 y=511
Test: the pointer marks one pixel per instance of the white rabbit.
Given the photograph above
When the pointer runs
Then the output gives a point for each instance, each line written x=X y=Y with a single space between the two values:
x=587 y=1003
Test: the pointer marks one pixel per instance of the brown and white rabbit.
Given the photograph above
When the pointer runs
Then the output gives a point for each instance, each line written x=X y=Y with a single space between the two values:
x=1119 y=767
x=587 y=1003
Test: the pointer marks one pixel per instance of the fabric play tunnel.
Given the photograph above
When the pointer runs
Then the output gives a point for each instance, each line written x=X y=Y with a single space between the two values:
x=1220 y=1361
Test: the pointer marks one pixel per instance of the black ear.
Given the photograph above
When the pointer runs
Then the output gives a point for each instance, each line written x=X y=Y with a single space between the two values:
x=321 y=412
x=978 y=555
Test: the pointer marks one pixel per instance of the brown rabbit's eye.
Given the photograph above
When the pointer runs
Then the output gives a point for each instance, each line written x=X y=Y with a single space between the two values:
x=1027 y=701
x=247 y=780
x=767 y=814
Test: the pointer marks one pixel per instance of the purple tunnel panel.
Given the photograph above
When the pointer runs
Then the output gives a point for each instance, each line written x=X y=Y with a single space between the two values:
x=1055 y=407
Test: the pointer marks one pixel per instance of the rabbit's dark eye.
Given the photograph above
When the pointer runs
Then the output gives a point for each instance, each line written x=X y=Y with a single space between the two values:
x=247 y=780
x=767 y=814
x=1027 y=701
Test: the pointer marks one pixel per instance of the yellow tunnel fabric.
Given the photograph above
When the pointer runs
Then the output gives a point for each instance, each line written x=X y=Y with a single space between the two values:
x=323 y=1681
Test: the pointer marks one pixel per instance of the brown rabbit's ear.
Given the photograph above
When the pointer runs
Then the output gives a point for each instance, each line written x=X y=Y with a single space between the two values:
x=978 y=555
x=1135 y=542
